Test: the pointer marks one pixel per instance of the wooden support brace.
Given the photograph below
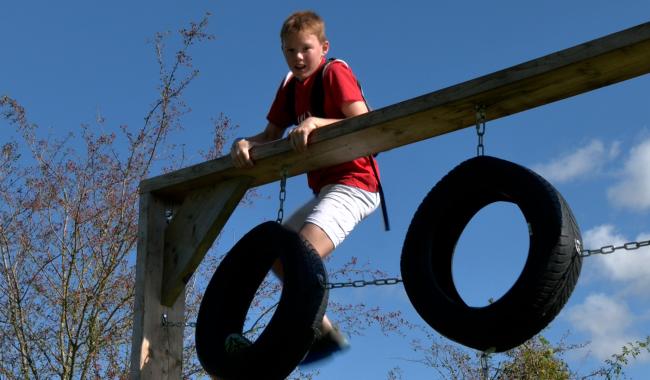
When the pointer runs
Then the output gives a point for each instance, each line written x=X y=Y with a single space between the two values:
x=193 y=229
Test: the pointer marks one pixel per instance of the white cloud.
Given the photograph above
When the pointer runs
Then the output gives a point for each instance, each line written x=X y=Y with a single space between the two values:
x=643 y=237
x=606 y=321
x=628 y=267
x=602 y=235
x=582 y=162
x=633 y=191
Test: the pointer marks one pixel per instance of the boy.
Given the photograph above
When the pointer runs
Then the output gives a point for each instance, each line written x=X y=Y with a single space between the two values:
x=345 y=193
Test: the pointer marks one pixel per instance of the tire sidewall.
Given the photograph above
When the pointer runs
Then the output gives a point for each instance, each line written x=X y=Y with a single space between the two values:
x=227 y=299
x=436 y=228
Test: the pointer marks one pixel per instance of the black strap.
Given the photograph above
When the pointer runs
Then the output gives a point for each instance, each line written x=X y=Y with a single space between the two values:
x=380 y=189
x=290 y=99
x=317 y=104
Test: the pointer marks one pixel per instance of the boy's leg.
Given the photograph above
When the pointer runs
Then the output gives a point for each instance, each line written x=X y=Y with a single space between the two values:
x=318 y=239
x=323 y=246
x=338 y=210
x=295 y=222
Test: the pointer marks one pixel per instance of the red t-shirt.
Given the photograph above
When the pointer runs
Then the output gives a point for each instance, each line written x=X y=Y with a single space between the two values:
x=340 y=86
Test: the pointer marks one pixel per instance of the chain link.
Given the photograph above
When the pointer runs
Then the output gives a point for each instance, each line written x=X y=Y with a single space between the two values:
x=605 y=250
x=283 y=194
x=608 y=249
x=480 y=129
x=165 y=322
x=360 y=283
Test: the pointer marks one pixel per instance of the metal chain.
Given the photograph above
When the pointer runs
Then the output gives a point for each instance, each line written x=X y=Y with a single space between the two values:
x=480 y=129
x=328 y=285
x=283 y=194
x=165 y=322
x=606 y=250
x=360 y=283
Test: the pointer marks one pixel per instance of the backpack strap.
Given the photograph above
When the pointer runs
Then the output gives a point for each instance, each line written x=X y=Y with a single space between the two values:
x=380 y=190
x=318 y=91
x=289 y=83
x=317 y=101
x=318 y=95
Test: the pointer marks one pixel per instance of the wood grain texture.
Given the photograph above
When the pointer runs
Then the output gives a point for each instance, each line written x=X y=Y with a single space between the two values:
x=156 y=351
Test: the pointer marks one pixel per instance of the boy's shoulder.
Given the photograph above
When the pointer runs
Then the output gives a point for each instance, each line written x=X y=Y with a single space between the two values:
x=335 y=64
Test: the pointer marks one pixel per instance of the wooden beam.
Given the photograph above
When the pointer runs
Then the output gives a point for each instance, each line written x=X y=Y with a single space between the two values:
x=563 y=74
x=193 y=229
x=156 y=351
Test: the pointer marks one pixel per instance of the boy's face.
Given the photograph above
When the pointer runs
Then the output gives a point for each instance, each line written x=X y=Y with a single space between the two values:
x=303 y=53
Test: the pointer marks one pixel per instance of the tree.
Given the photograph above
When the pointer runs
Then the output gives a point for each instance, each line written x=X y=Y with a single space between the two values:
x=68 y=230
x=536 y=359
x=614 y=368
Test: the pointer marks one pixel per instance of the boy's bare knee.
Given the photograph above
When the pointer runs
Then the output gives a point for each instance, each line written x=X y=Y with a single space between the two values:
x=318 y=239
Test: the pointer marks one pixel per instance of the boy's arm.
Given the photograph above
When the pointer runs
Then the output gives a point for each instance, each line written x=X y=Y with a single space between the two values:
x=240 y=150
x=299 y=137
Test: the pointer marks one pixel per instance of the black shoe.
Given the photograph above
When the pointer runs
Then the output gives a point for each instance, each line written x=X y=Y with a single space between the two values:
x=326 y=345
x=236 y=342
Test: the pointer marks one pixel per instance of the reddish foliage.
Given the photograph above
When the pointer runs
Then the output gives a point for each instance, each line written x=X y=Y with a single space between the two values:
x=68 y=229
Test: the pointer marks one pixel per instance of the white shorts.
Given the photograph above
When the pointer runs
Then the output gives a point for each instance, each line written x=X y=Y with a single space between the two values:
x=336 y=210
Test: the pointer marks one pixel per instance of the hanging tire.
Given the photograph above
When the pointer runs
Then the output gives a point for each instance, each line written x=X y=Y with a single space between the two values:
x=547 y=279
x=287 y=337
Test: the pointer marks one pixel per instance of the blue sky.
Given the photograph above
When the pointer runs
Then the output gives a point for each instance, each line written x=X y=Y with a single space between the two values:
x=67 y=62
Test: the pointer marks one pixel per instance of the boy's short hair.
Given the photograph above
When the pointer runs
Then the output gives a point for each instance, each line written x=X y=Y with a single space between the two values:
x=303 y=21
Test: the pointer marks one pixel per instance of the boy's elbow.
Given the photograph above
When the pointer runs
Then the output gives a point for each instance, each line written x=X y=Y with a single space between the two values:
x=354 y=108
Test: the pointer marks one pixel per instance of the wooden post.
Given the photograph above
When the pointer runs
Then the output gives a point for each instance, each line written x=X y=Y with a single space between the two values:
x=156 y=351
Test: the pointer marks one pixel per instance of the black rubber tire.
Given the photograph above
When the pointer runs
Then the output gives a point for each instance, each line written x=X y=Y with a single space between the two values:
x=547 y=279
x=291 y=330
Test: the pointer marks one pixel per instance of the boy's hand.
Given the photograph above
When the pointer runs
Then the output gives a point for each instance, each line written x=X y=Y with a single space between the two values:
x=299 y=136
x=240 y=153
